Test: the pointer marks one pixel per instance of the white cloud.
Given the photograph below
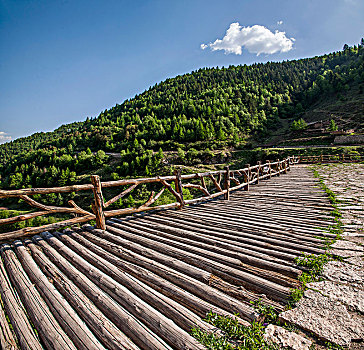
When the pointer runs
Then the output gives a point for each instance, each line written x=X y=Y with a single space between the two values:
x=280 y=23
x=4 y=137
x=256 y=39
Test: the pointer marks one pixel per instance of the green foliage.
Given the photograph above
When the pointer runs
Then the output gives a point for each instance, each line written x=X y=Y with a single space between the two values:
x=332 y=198
x=211 y=341
x=333 y=346
x=181 y=154
x=333 y=126
x=267 y=311
x=236 y=336
x=298 y=125
x=313 y=262
x=37 y=221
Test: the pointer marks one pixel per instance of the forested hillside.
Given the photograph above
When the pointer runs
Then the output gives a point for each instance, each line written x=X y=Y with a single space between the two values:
x=193 y=114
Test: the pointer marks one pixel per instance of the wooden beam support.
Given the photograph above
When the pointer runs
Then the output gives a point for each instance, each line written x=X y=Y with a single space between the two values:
x=227 y=183
x=258 y=171
x=175 y=193
x=121 y=195
x=278 y=167
x=65 y=315
x=111 y=336
x=217 y=184
x=97 y=207
x=179 y=187
x=27 y=231
x=198 y=187
x=247 y=177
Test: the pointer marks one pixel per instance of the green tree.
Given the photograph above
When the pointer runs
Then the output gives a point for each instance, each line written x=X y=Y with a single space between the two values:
x=160 y=154
x=181 y=154
x=99 y=157
x=16 y=180
x=298 y=125
x=333 y=126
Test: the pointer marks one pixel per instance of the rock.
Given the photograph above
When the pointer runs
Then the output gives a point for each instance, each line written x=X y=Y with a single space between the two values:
x=349 y=295
x=346 y=245
x=354 y=234
x=328 y=319
x=344 y=272
x=352 y=207
x=285 y=338
x=346 y=249
x=357 y=261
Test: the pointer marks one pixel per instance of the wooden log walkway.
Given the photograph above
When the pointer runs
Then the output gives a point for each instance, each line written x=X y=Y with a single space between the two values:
x=147 y=279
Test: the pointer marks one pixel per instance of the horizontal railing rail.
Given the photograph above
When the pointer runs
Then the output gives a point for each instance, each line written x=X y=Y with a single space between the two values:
x=331 y=158
x=222 y=182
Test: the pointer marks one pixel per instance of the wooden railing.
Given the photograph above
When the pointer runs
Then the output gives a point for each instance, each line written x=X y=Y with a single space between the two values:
x=330 y=158
x=220 y=184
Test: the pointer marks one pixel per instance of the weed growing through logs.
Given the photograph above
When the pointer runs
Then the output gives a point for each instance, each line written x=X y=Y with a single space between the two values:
x=267 y=311
x=313 y=262
x=333 y=346
x=236 y=336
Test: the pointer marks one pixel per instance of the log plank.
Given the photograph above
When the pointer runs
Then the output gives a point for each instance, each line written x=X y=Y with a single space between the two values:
x=110 y=336
x=153 y=319
x=23 y=329
x=48 y=328
x=125 y=321
x=63 y=312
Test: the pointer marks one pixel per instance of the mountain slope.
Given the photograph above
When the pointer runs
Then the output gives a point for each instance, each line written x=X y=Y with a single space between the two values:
x=199 y=112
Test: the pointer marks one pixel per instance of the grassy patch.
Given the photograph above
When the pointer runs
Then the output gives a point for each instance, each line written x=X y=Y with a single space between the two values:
x=314 y=264
x=267 y=311
x=236 y=336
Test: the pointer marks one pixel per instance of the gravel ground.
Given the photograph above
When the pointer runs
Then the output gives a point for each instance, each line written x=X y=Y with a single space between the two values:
x=333 y=309
x=347 y=182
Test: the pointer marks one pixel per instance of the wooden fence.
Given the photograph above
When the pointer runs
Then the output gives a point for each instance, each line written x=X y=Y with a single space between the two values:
x=330 y=158
x=222 y=183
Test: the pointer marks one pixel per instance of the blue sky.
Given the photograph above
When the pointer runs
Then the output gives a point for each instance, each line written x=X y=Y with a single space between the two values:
x=61 y=61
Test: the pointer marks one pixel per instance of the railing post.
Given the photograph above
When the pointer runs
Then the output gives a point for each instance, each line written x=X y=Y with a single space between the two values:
x=258 y=171
x=285 y=165
x=343 y=157
x=278 y=167
x=269 y=169
x=321 y=158
x=178 y=185
x=247 y=177
x=98 y=205
x=227 y=183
